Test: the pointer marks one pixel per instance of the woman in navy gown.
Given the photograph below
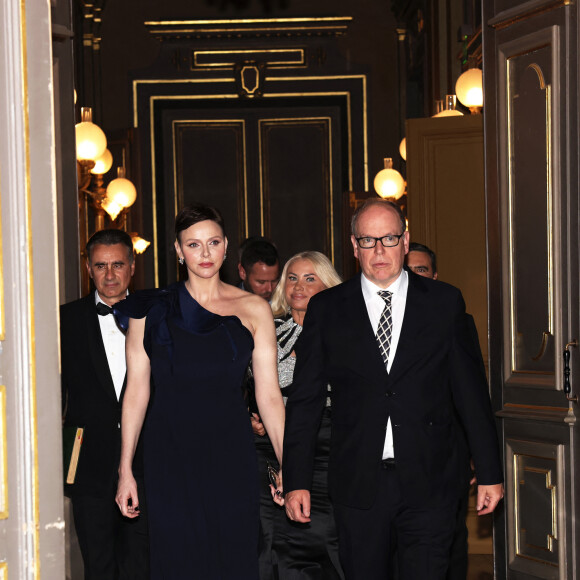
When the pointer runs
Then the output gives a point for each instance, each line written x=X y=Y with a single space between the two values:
x=188 y=347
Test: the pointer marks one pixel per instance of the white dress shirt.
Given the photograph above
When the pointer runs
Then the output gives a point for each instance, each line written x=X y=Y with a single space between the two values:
x=114 y=341
x=375 y=306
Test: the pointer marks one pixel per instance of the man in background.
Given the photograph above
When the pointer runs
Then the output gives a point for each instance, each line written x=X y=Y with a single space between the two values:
x=93 y=383
x=423 y=261
x=259 y=267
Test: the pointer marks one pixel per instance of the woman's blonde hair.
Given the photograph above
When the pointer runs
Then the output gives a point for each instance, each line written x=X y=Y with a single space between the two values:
x=323 y=268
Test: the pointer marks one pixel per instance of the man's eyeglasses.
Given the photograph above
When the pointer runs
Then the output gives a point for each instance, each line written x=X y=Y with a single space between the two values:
x=389 y=241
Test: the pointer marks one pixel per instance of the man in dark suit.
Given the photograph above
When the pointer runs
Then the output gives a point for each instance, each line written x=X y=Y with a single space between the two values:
x=93 y=381
x=396 y=350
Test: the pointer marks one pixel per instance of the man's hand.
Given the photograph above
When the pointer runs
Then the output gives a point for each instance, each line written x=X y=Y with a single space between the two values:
x=257 y=425
x=298 y=505
x=488 y=497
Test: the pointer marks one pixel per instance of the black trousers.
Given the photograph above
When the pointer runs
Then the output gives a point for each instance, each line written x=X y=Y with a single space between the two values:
x=422 y=536
x=112 y=547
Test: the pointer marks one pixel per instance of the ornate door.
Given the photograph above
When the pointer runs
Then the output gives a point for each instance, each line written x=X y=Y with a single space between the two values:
x=531 y=131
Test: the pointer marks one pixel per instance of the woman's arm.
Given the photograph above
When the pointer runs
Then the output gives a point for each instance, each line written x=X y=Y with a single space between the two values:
x=265 y=370
x=135 y=403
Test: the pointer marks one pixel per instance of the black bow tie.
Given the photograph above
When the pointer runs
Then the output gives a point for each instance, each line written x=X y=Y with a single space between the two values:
x=103 y=309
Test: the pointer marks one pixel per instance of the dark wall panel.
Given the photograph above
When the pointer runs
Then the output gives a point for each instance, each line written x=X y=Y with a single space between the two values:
x=297 y=184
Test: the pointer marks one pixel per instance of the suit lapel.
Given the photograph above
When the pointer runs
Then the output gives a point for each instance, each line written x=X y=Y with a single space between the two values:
x=97 y=348
x=364 y=345
x=416 y=312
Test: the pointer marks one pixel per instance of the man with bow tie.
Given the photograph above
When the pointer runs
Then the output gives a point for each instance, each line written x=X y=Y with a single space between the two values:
x=93 y=382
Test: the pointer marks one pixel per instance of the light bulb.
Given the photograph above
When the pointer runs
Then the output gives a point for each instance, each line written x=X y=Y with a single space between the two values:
x=90 y=140
x=389 y=182
x=122 y=192
x=469 y=88
x=103 y=163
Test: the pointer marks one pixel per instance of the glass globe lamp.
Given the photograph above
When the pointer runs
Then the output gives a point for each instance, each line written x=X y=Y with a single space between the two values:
x=389 y=183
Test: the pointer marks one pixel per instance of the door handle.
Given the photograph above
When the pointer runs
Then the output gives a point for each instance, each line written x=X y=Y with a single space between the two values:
x=567 y=387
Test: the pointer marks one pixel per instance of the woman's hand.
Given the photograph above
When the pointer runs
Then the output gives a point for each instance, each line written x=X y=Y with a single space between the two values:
x=257 y=425
x=278 y=491
x=127 y=498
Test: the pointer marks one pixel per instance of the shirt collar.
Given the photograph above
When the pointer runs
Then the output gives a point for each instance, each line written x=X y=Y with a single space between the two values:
x=398 y=287
x=99 y=299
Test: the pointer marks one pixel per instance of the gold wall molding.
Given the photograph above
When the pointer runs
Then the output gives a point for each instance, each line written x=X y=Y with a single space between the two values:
x=227 y=59
x=258 y=27
x=525 y=11
x=3 y=571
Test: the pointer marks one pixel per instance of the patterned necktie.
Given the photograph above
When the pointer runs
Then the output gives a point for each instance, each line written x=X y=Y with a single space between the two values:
x=385 y=329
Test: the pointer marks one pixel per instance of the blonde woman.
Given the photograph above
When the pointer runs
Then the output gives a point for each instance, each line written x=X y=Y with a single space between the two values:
x=290 y=550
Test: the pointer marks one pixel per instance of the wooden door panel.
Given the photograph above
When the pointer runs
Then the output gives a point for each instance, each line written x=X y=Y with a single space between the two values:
x=532 y=209
x=206 y=163
x=273 y=171
x=296 y=184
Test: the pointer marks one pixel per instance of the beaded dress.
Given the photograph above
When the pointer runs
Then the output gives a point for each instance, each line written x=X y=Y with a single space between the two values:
x=288 y=550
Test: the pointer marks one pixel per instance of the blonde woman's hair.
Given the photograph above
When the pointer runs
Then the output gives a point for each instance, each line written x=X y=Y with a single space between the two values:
x=323 y=268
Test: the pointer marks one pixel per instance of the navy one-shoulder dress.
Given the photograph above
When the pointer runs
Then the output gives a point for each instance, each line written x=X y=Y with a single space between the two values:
x=201 y=475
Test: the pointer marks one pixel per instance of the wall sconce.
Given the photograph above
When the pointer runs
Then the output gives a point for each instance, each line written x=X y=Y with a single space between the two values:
x=449 y=110
x=389 y=183
x=469 y=90
x=94 y=160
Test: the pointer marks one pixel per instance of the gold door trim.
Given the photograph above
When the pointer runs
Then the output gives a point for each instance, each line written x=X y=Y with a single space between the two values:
x=523 y=12
x=2 y=305
x=3 y=456
x=550 y=331
x=33 y=525
x=136 y=84
x=544 y=459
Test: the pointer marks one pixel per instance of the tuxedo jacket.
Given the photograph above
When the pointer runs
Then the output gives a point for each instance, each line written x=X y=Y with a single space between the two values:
x=90 y=400
x=435 y=389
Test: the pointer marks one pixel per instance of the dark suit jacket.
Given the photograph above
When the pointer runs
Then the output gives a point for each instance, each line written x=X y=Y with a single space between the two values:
x=435 y=379
x=90 y=400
